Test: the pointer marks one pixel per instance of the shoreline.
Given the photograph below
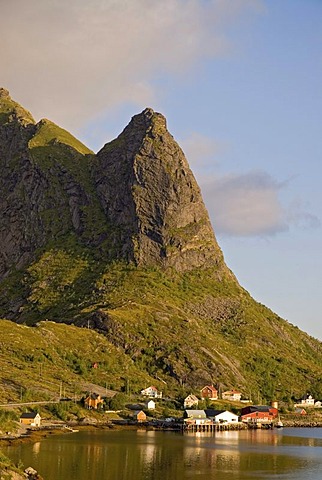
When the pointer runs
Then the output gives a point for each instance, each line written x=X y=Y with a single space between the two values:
x=34 y=435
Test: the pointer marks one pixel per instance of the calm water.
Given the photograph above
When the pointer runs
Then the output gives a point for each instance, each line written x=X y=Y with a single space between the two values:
x=129 y=455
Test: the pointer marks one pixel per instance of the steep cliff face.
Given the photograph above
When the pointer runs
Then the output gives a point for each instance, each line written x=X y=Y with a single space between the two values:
x=149 y=193
x=19 y=224
x=44 y=188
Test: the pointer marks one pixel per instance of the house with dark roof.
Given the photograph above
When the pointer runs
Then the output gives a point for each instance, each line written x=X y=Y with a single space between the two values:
x=139 y=416
x=221 y=416
x=31 y=419
x=300 y=411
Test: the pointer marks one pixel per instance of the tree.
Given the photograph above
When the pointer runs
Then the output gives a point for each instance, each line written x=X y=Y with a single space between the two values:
x=117 y=402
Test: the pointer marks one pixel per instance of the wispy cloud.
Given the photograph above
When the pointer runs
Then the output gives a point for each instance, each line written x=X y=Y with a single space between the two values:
x=250 y=204
x=243 y=204
x=70 y=61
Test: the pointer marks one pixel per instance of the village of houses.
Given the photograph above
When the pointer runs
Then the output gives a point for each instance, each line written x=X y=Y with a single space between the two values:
x=194 y=419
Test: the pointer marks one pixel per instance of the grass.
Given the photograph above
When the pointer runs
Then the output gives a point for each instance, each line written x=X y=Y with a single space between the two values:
x=183 y=330
x=37 y=363
x=50 y=134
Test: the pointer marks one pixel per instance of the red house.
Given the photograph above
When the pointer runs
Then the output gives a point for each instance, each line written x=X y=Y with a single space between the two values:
x=210 y=392
x=258 y=413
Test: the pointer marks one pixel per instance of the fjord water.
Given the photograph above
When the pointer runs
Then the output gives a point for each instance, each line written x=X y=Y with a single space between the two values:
x=148 y=455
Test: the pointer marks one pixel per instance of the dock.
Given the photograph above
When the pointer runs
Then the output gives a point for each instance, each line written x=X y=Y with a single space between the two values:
x=213 y=427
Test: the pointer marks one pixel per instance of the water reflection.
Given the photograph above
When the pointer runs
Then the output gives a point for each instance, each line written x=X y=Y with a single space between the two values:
x=141 y=455
x=36 y=448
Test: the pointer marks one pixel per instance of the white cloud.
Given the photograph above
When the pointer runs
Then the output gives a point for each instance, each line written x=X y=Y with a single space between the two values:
x=243 y=204
x=70 y=61
x=249 y=205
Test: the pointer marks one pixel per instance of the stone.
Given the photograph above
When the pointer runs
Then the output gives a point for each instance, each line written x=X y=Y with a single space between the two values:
x=148 y=191
x=4 y=93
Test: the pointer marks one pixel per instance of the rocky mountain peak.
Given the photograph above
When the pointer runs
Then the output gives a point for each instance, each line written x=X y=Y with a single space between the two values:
x=148 y=119
x=149 y=192
x=4 y=93
x=12 y=112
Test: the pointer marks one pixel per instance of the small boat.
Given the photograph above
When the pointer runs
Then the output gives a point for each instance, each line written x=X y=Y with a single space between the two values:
x=71 y=429
x=279 y=424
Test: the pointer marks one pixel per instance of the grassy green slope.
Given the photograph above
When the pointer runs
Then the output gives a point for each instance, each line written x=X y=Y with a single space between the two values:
x=50 y=133
x=185 y=329
x=37 y=363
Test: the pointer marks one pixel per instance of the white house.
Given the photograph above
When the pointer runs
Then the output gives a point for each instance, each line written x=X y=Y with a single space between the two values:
x=151 y=392
x=196 y=417
x=190 y=401
x=306 y=401
x=221 y=416
x=232 y=395
x=150 y=404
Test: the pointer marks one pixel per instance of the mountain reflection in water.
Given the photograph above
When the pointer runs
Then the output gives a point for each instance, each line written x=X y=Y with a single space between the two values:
x=149 y=455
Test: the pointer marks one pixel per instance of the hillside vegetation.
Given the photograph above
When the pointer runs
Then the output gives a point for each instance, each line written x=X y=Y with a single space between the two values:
x=117 y=249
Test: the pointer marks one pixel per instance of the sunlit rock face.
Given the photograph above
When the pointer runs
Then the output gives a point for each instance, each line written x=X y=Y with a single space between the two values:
x=149 y=193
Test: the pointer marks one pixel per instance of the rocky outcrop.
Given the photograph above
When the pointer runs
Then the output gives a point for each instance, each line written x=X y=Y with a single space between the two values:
x=32 y=474
x=8 y=473
x=151 y=197
x=42 y=196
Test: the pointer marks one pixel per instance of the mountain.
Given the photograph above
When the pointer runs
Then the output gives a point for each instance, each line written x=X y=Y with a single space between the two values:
x=121 y=242
x=150 y=195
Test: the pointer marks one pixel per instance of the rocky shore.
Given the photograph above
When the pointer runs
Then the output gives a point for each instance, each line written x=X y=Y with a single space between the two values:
x=12 y=473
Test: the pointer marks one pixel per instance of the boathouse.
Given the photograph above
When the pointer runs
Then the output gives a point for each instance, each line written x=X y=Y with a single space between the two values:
x=258 y=413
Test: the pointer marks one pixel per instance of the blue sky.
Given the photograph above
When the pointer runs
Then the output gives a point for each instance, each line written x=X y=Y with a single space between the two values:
x=240 y=84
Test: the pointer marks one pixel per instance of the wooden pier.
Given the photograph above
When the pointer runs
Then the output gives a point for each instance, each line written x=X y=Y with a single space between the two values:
x=212 y=427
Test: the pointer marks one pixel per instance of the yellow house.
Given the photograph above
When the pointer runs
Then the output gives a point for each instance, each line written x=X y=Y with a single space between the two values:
x=32 y=419
x=140 y=416
x=93 y=400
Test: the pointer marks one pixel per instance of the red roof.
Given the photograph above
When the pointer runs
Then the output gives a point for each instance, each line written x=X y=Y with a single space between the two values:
x=210 y=387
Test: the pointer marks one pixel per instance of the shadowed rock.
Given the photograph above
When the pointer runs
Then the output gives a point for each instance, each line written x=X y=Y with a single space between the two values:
x=149 y=193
